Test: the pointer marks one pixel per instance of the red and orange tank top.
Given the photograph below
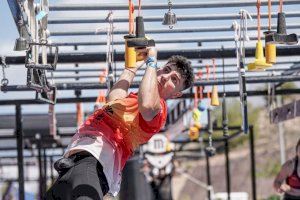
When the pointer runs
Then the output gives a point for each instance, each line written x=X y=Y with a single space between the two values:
x=128 y=128
x=294 y=180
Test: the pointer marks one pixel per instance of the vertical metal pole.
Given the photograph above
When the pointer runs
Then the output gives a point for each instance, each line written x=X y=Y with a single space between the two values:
x=45 y=172
x=281 y=134
x=51 y=170
x=228 y=181
x=252 y=153
x=208 y=176
x=19 y=137
x=115 y=66
x=38 y=137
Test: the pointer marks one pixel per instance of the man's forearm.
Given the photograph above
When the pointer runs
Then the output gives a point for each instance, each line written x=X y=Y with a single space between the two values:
x=277 y=184
x=148 y=96
x=120 y=88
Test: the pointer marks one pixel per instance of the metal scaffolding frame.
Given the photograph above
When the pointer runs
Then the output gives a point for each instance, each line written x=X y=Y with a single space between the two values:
x=287 y=75
x=90 y=57
x=184 y=96
x=214 y=4
x=93 y=85
x=164 y=31
x=160 y=19
x=158 y=41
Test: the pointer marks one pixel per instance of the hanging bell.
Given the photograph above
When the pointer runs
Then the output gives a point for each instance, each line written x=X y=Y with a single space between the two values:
x=170 y=19
x=21 y=44
x=214 y=96
x=210 y=151
x=281 y=37
x=260 y=61
x=201 y=106
x=194 y=133
x=196 y=115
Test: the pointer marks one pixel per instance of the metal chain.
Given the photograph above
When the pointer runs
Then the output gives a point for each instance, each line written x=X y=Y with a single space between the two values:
x=210 y=140
x=169 y=4
x=4 y=81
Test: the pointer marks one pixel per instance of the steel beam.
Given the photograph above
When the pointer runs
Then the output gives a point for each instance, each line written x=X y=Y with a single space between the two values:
x=184 y=96
x=158 y=41
x=93 y=85
x=90 y=57
x=155 y=31
x=229 y=74
x=120 y=70
x=195 y=66
x=160 y=18
x=207 y=4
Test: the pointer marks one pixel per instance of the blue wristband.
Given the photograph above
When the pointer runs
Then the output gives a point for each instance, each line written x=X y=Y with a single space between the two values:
x=152 y=64
x=150 y=59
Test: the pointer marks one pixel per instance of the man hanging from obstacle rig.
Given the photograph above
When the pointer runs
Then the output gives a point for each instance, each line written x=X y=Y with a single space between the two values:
x=93 y=161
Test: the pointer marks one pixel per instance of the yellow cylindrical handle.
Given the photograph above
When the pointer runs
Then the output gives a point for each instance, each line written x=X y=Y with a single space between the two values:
x=270 y=50
x=130 y=56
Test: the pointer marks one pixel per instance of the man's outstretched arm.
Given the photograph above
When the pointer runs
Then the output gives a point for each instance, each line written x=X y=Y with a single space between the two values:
x=148 y=96
x=120 y=88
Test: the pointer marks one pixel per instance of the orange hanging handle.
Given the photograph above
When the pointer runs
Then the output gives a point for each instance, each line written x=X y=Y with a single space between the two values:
x=207 y=78
x=79 y=114
x=258 y=19
x=196 y=97
x=201 y=92
x=101 y=97
x=200 y=88
x=214 y=69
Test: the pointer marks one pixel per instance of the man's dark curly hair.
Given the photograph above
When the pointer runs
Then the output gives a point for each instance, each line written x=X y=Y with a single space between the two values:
x=184 y=68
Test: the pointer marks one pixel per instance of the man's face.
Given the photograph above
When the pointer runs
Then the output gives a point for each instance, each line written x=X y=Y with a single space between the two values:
x=170 y=82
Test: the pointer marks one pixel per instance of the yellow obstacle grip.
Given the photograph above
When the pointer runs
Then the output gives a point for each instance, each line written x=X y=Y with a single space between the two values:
x=270 y=50
x=130 y=56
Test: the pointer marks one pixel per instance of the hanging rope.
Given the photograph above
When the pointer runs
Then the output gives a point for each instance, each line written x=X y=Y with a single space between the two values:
x=224 y=104
x=280 y=6
x=131 y=17
x=200 y=88
x=140 y=8
x=52 y=118
x=214 y=69
x=258 y=19
x=197 y=89
x=269 y=14
x=242 y=30
x=79 y=115
x=107 y=74
x=207 y=78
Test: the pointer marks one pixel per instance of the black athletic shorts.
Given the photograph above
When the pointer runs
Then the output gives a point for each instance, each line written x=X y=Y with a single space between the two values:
x=290 y=197
x=84 y=181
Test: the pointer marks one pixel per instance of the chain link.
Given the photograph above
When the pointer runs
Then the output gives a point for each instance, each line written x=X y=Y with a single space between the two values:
x=210 y=140
x=169 y=4
x=4 y=80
